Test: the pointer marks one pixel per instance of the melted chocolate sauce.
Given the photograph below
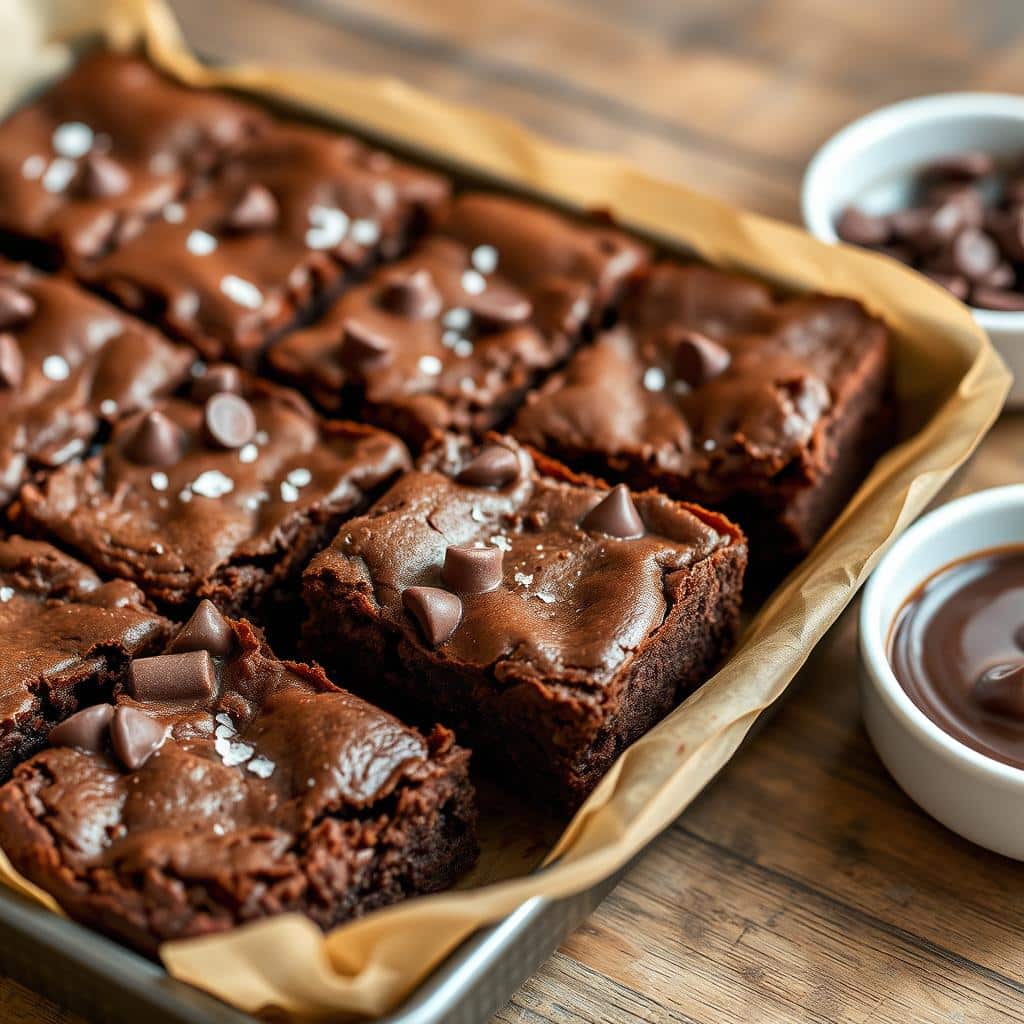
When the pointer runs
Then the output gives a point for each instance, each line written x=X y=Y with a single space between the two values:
x=957 y=648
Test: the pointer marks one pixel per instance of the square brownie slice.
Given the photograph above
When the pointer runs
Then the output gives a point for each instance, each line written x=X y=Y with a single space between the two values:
x=85 y=165
x=66 y=639
x=223 y=491
x=550 y=621
x=452 y=337
x=69 y=364
x=224 y=786
x=712 y=389
x=284 y=222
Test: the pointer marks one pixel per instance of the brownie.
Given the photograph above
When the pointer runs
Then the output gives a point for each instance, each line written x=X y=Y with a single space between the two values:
x=452 y=337
x=284 y=222
x=69 y=364
x=713 y=390
x=224 y=786
x=86 y=164
x=223 y=491
x=66 y=639
x=549 y=621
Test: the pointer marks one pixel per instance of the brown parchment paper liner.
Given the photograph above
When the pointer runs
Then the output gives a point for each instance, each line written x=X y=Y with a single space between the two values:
x=946 y=376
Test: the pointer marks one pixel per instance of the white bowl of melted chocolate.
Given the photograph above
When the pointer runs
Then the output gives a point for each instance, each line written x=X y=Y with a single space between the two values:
x=942 y=681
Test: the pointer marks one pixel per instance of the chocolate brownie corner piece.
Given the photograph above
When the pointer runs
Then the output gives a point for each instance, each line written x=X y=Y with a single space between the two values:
x=65 y=640
x=452 y=337
x=108 y=147
x=69 y=364
x=223 y=491
x=224 y=786
x=713 y=390
x=549 y=621
x=284 y=222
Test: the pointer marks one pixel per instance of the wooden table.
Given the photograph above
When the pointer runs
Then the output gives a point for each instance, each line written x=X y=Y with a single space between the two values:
x=803 y=886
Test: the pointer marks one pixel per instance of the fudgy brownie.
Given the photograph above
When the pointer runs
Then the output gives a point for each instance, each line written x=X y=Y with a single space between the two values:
x=282 y=223
x=85 y=165
x=223 y=492
x=69 y=363
x=223 y=786
x=452 y=337
x=66 y=639
x=548 y=621
x=713 y=390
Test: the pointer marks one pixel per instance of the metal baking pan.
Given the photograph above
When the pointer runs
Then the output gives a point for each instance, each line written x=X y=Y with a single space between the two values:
x=107 y=983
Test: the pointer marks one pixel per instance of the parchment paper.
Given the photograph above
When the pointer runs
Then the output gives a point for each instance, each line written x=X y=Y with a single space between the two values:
x=947 y=378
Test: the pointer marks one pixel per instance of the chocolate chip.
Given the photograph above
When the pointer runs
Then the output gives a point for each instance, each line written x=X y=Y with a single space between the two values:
x=616 y=515
x=167 y=677
x=860 y=228
x=12 y=363
x=494 y=466
x=909 y=225
x=1001 y=276
x=362 y=347
x=1001 y=689
x=969 y=200
x=499 y=306
x=954 y=283
x=1007 y=226
x=255 y=210
x=469 y=570
x=973 y=254
x=974 y=163
x=699 y=359
x=411 y=295
x=156 y=441
x=135 y=736
x=997 y=299
x=99 y=177
x=207 y=630
x=940 y=226
x=228 y=420
x=86 y=729
x=437 y=611
x=16 y=306
x=220 y=377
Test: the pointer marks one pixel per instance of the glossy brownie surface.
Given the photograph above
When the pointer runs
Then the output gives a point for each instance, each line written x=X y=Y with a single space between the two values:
x=278 y=226
x=237 y=786
x=573 y=601
x=186 y=512
x=69 y=364
x=451 y=337
x=85 y=165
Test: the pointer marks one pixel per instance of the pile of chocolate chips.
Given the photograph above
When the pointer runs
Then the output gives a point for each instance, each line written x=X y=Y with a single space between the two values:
x=965 y=232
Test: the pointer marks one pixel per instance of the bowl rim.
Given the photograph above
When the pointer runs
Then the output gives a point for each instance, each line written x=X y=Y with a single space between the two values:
x=874 y=628
x=885 y=122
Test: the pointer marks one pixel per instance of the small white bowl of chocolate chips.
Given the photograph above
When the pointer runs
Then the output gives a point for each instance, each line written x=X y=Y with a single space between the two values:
x=938 y=184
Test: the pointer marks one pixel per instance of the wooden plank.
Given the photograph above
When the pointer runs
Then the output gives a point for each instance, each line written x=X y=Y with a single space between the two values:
x=287 y=35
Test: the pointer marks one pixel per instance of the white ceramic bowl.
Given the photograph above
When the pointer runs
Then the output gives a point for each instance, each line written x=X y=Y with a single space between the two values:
x=872 y=162
x=981 y=799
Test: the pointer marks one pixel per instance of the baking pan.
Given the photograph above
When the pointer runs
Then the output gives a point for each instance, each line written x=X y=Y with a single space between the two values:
x=105 y=982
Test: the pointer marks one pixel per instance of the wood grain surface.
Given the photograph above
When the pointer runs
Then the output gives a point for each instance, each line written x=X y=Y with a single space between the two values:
x=803 y=886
